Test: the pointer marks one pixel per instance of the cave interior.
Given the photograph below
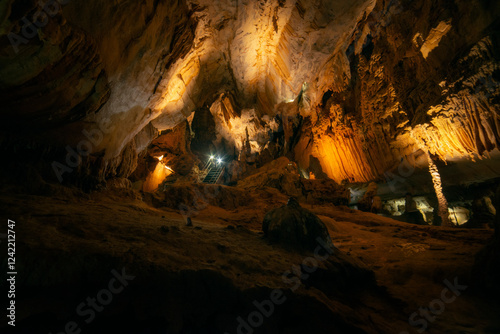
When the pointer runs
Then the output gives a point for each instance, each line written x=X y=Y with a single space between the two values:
x=232 y=166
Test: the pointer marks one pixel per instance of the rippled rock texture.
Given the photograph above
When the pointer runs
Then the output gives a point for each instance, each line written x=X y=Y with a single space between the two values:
x=351 y=86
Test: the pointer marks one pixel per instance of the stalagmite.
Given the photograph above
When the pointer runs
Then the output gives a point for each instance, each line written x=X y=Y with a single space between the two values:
x=442 y=202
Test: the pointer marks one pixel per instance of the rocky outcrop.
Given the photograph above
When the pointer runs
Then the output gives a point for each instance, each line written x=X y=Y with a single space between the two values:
x=173 y=147
x=296 y=228
x=322 y=191
x=284 y=175
x=281 y=174
x=240 y=131
x=192 y=198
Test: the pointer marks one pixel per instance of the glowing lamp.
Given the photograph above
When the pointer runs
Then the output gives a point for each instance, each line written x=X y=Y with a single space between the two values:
x=160 y=158
x=212 y=157
x=219 y=160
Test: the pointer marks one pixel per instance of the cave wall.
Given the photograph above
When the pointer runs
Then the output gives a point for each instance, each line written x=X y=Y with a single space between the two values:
x=372 y=81
x=417 y=75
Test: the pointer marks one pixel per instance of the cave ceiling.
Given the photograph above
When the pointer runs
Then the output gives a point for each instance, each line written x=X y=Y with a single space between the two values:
x=357 y=85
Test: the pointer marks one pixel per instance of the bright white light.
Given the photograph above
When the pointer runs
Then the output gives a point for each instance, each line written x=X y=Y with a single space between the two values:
x=212 y=157
x=170 y=169
x=219 y=160
x=159 y=158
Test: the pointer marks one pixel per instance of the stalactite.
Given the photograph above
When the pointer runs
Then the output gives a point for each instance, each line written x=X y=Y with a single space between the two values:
x=442 y=202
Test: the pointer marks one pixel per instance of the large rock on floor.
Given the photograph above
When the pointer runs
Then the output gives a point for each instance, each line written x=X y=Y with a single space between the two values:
x=295 y=227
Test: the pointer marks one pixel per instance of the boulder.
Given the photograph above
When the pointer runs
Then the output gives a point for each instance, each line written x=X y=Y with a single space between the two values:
x=295 y=227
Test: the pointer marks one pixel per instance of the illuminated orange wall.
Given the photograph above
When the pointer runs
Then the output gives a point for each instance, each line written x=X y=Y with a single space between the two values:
x=343 y=156
x=156 y=177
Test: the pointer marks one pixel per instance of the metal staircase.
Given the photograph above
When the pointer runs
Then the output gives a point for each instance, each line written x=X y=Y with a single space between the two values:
x=214 y=174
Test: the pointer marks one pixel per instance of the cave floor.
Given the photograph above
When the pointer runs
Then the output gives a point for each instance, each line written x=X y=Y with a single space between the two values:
x=410 y=262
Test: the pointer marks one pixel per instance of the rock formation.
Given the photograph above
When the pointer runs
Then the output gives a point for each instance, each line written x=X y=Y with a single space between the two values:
x=284 y=175
x=111 y=110
x=354 y=86
x=295 y=227
x=366 y=202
